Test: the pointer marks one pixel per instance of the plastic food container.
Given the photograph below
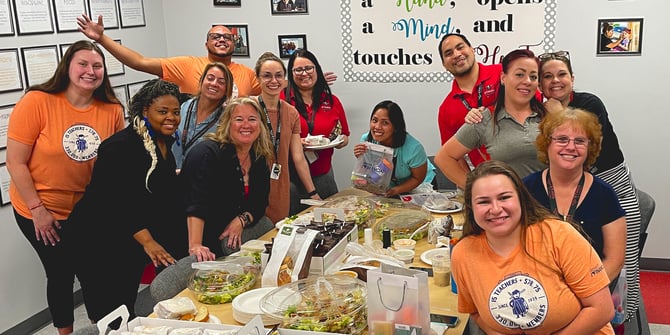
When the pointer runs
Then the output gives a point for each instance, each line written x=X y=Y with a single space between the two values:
x=404 y=255
x=402 y=224
x=216 y=282
x=404 y=243
x=331 y=303
x=360 y=210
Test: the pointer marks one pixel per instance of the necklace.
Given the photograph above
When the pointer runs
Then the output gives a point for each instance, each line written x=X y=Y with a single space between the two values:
x=243 y=163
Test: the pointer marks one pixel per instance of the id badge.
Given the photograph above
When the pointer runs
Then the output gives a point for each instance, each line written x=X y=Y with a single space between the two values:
x=276 y=171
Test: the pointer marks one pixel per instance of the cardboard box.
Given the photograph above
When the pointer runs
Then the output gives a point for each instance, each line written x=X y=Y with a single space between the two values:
x=335 y=256
x=255 y=326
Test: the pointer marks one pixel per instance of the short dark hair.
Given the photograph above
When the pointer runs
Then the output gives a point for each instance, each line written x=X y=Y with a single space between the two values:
x=439 y=45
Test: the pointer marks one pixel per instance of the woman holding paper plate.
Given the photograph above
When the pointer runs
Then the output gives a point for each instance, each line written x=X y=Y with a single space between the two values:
x=323 y=124
x=411 y=167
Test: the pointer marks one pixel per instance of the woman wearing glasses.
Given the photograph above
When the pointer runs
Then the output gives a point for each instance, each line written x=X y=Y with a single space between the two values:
x=569 y=142
x=201 y=114
x=556 y=83
x=321 y=113
x=283 y=123
x=508 y=132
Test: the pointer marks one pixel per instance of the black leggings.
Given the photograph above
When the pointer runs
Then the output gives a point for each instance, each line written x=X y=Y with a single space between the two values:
x=59 y=269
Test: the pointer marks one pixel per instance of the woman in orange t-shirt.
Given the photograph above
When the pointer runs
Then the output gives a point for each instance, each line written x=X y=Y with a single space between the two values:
x=52 y=142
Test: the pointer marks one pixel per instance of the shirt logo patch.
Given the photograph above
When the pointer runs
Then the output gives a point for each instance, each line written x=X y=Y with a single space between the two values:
x=81 y=142
x=519 y=302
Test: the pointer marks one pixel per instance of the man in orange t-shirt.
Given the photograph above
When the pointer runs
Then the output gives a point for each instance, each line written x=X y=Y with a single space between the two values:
x=185 y=71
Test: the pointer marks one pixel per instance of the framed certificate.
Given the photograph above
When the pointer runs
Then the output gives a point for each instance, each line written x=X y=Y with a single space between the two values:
x=4 y=184
x=6 y=23
x=121 y=93
x=5 y=112
x=133 y=88
x=108 y=9
x=33 y=17
x=39 y=63
x=67 y=12
x=113 y=66
x=10 y=72
x=132 y=13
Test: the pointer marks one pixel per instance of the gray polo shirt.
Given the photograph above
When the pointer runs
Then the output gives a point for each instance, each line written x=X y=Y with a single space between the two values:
x=512 y=143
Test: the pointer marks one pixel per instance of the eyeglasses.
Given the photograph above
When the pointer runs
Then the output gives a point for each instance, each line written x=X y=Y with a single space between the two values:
x=267 y=77
x=564 y=140
x=560 y=55
x=216 y=37
x=301 y=70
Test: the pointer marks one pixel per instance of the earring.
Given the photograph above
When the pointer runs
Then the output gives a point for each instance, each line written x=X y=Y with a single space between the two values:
x=148 y=125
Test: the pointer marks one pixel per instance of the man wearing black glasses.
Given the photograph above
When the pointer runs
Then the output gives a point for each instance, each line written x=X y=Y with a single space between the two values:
x=185 y=71
x=475 y=85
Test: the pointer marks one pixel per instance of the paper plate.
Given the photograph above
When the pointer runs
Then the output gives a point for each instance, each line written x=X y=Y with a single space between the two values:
x=459 y=207
x=428 y=254
x=247 y=305
x=332 y=144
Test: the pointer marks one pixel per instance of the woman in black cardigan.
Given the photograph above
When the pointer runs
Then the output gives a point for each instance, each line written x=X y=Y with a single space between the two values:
x=227 y=182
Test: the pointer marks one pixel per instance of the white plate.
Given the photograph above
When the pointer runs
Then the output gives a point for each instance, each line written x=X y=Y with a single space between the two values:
x=459 y=207
x=428 y=254
x=249 y=301
x=332 y=144
x=213 y=319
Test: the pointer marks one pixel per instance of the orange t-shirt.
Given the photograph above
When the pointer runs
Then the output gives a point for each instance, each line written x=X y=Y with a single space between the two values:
x=515 y=294
x=65 y=144
x=185 y=71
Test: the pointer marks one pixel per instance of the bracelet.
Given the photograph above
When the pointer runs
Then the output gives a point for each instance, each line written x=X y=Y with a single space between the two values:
x=313 y=193
x=39 y=204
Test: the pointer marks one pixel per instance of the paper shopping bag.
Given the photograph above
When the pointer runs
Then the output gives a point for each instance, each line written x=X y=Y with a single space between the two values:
x=398 y=301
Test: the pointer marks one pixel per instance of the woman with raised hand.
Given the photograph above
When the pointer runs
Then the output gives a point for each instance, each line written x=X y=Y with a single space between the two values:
x=509 y=131
x=132 y=212
x=321 y=113
x=200 y=114
x=283 y=122
x=52 y=142
x=520 y=270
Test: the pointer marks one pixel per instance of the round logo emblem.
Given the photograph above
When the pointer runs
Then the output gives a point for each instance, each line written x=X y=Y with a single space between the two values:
x=81 y=142
x=519 y=301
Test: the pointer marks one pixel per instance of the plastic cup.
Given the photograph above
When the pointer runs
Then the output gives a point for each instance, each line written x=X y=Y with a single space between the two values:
x=441 y=269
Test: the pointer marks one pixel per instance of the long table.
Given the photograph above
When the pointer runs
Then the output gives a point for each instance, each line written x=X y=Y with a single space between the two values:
x=442 y=300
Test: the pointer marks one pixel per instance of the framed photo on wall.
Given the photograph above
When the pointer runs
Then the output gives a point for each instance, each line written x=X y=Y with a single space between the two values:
x=33 y=17
x=6 y=24
x=225 y=3
x=281 y=7
x=10 y=70
x=240 y=38
x=289 y=43
x=617 y=37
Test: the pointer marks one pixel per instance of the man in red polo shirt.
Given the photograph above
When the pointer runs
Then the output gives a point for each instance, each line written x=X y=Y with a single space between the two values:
x=475 y=85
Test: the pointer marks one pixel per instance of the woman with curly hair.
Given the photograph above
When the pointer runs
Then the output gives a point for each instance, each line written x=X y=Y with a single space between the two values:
x=132 y=212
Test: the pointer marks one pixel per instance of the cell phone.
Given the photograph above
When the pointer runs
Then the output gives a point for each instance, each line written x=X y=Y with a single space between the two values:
x=449 y=320
x=428 y=270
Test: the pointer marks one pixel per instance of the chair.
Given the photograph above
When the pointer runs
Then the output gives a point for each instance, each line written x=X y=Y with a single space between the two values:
x=441 y=182
x=647 y=208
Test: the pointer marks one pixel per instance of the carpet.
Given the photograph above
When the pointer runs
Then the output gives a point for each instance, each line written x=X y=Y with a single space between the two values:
x=655 y=287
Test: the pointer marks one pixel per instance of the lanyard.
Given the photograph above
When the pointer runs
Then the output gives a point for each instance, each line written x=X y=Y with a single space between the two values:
x=480 y=91
x=190 y=113
x=275 y=137
x=575 y=198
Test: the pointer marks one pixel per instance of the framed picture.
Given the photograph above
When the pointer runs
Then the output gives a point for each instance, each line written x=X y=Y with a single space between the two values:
x=290 y=43
x=134 y=87
x=4 y=185
x=11 y=71
x=121 y=93
x=113 y=66
x=109 y=11
x=33 y=17
x=5 y=112
x=6 y=24
x=39 y=63
x=281 y=7
x=132 y=13
x=224 y=3
x=240 y=37
x=67 y=12
x=618 y=37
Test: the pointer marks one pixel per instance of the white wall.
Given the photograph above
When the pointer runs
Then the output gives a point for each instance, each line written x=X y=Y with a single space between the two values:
x=175 y=27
